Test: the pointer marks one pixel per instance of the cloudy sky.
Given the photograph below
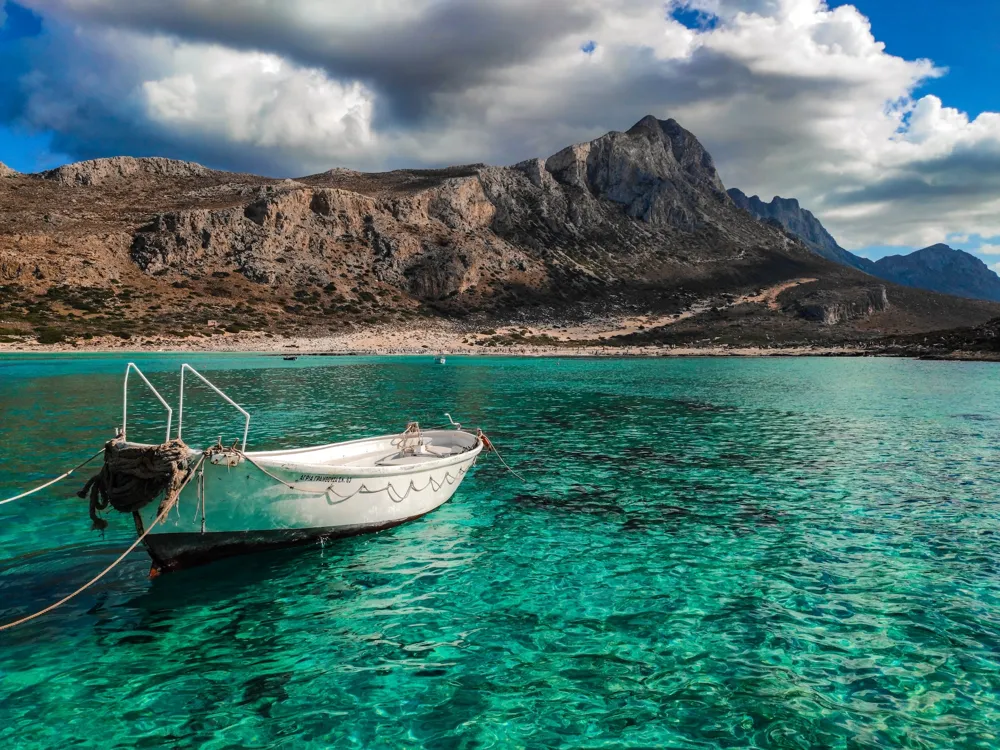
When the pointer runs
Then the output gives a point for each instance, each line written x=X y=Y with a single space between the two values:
x=880 y=116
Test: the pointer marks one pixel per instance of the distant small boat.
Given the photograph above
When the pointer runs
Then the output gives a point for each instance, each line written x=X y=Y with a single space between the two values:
x=290 y=359
x=440 y=359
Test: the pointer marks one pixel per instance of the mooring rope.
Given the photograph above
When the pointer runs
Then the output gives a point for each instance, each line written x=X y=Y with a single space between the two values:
x=488 y=445
x=168 y=504
x=52 y=481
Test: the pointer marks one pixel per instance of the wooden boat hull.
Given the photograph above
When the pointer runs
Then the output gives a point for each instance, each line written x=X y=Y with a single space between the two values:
x=288 y=498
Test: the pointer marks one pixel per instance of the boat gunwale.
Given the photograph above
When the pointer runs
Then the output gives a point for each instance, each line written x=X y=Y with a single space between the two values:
x=393 y=436
x=361 y=472
x=273 y=459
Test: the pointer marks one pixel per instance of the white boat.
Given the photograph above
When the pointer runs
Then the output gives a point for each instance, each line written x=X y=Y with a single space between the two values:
x=241 y=501
x=440 y=359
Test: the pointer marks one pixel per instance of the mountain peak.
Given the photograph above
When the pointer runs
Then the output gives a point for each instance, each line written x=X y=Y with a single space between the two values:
x=684 y=146
x=777 y=204
x=6 y=171
x=651 y=124
x=941 y=268
x=787 y=204
x=940 y=254
x=939 y=248
x=657 y=169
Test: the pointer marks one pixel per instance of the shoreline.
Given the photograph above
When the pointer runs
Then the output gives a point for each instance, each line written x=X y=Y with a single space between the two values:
x=449 y=337
x=411 y=342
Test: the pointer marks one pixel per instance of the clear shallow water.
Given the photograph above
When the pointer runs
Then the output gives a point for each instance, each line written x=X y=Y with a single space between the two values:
x=709 y=554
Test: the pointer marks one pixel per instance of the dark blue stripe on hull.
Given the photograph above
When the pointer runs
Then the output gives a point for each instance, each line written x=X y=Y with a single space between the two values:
x=176 y=551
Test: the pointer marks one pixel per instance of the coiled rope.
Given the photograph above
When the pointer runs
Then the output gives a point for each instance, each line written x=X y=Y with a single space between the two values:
x=165 y=507
x=134 y=475
x=51 y=482
x=409 y=441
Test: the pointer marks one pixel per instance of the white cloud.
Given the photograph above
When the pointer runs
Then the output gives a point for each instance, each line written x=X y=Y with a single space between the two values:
x=259 y=101
x=791 y=97
x=988 y=249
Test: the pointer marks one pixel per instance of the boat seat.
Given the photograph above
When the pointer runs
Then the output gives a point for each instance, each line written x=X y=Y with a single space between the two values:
x=430 y=452
x=441 y=451
x=405 y=459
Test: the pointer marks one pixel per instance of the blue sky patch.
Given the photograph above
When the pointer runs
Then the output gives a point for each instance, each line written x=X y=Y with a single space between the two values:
x=28 y=152
x=964 y=40
x=695 y=20
x=19 y=23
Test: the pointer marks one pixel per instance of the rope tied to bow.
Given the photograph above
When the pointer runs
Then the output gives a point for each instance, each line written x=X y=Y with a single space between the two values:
x=134 y=475
x=51 y=482
x=488 y=447
x=165 y=507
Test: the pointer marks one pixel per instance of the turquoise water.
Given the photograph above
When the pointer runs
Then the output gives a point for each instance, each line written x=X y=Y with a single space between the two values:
x=707 y=554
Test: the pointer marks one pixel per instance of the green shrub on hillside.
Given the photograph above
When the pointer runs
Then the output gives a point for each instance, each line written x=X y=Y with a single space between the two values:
x=50 y=335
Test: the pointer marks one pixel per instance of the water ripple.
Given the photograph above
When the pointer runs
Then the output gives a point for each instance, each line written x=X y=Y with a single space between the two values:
x=707 y=554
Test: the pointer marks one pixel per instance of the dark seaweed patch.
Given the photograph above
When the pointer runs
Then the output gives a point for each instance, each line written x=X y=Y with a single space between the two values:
x=581 y=499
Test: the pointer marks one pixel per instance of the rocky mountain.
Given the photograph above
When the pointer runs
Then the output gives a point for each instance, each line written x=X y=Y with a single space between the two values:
x=942 y=269
x=631 y=222
x=938 y=268
x=6 y=171
x=803 y=224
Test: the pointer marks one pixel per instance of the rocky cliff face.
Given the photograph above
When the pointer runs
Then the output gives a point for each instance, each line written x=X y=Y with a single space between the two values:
x=942 y=269
x=803 y=224
x=646 y=204
x=591 y=214
x=657 y=170
x=833 y=309
x=296 y=235
x=631 y=222
x=6 y=171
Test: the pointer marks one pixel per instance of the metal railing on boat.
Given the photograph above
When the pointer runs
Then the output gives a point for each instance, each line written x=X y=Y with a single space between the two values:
x=170 y=412
x=206 y=381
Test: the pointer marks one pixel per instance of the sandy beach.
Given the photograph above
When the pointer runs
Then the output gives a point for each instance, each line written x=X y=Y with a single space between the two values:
x=447 y=337
x=430 y=339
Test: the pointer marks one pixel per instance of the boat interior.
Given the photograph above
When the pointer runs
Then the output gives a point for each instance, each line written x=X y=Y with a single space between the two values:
x=405 y=449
